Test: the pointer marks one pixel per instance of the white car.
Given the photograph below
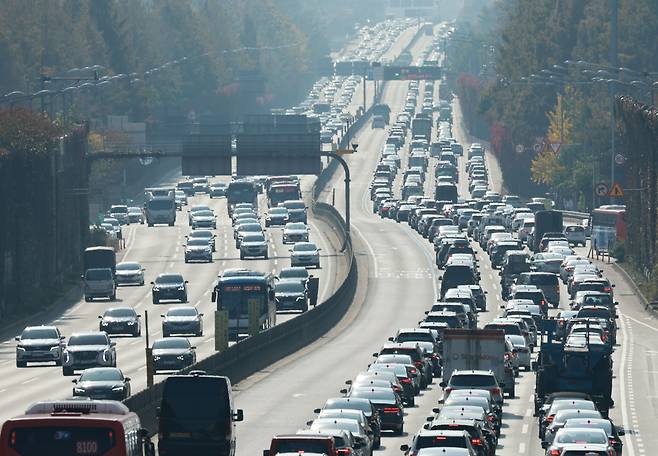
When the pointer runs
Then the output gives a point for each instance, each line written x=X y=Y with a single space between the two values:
x=305 y=254
x=521 y=350
x=129 y=273
x=253 y=245
x=295 y=232
x=575 y=234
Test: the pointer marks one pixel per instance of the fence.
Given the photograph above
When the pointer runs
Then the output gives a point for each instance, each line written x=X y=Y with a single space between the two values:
x=639 y=143
x=43 y=208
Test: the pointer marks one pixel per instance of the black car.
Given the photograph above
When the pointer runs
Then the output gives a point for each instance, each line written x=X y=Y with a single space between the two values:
x=102 y=383
x=169 y=286
x=173 y=353
x=182 y=320
x=291 y=295
x=121 y=320
x=387 y=403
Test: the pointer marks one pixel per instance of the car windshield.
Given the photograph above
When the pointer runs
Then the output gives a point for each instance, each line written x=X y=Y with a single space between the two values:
x=374 y=394
x=472 y=380
x=120 y=313
x=278 y=211
x=128 y=267
x=182 y=312
x=200 y=234
x=294 y=205
x=101 y=375
x=134 y=210
x=170 y=343
x=40 y=333
x=581 y=436
x=98 y=274
x=203 y=214
x=119 y=210
x=200 y=241
x=254 y=238
x=88 y=339
x=169 y=278
x=296 y=226
x=289 y=287
x=414 y=337
x=250 y=227
x=304 y=248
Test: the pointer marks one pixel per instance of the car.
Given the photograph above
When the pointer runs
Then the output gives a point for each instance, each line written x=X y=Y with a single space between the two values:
x=277 y=216
x=99 y=283
x=295 y=232
x=357 y=415
x=102 y=383
x=39 y=344
x=169 y=286
x=521 y=350
x=439 y=439
x=129 y=273
x=296 y=210
x=388 y=405
x=172 y=353
x=91 y=349
x=198 y=249
x=116 y=226
x=362 y=441
x=575 y=234
x=291 y=294
x=613 y=432
x=563 y=437
x=218 y=189
x=474 y=379
x=305 y=254
x=181 y=199
x=182 y=320
x=355 y=403
x=208 y=235
x=563 y=403
x=120 y=320
x=416 y=354
x=295 y=273
x=204 y=219
x=193 y=209
x=119 y=212
x=253 y=245
x=135 y=215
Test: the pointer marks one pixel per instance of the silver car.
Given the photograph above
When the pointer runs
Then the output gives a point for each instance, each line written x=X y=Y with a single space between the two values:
x=305 y=254
x=253 y=245
x=99 y=283
x=39 y=344
x=182 y=320
x=129 y=273
x=84 y=350
x=295 y=232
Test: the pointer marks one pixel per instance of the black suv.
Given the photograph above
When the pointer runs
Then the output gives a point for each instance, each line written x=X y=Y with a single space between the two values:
x=169 y=286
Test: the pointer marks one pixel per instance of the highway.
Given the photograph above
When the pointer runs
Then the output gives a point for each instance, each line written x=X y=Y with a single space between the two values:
x=401 y=285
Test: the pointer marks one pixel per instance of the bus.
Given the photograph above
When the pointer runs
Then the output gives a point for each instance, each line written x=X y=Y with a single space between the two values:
x=239 y=290
x=608 y=226
x=197 y=416
x=75 y=427
x=278 y=193
x=241 y=191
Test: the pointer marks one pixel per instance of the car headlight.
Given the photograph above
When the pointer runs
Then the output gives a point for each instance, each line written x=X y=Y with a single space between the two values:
x=156 y=288
x=106 y=355
x=156 y=358
x=181 y=288
x=54 y=348
x=181 y=357
x=117 y=388
x=130 y=323
x=104 y=323
x=78 y=390
x=19 y=348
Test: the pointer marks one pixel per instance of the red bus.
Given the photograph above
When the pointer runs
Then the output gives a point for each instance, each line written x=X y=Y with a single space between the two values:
x=75 y=427
x=608 y=224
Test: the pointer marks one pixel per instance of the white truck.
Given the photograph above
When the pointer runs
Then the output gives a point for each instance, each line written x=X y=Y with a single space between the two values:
x=477 y=349
x=160 y=206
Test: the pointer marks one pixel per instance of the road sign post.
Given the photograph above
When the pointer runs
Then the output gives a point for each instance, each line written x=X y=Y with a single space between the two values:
x=616 y=191
x=601 y=189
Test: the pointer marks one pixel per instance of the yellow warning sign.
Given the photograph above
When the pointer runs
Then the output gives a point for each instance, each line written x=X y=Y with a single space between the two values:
x=616 y=190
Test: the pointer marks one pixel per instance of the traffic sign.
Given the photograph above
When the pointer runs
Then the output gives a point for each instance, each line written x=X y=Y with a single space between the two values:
x=404 y=73
x=537 y=147
x=616 y=190
x=555 y=147
x=620 y=159
x=601 y=189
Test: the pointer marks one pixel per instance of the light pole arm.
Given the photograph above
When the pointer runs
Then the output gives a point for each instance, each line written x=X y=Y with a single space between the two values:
x=346 y=168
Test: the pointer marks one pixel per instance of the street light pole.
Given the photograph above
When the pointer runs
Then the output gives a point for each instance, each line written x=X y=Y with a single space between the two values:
x=346 y=168
x=614 y=7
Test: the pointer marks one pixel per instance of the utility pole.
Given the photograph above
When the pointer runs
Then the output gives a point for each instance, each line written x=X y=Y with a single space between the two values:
x=614 y=6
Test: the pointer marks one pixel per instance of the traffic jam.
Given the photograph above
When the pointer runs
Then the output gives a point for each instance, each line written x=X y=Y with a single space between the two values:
x=553 y=316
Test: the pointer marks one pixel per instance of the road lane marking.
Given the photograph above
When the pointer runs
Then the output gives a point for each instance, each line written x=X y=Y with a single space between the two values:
x=622 y=382
x=524 y=429
x=641 y=323
x=370 y=249
x=521 y=447
x=29 y=380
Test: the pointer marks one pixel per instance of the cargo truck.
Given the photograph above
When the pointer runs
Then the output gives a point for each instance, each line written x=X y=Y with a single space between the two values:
x=477 y=349
x=160 y=206
x=546 y=222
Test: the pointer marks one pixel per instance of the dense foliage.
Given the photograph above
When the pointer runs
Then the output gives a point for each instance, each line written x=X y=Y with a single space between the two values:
x=533 y=35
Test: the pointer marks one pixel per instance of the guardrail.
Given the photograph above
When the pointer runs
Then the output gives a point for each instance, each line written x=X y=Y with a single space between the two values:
x=575 y=215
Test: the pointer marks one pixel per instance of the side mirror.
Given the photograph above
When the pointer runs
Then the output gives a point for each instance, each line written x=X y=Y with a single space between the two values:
x=127 y=379
x=391 y=339
x=60 y=337
x=443 y=384
x=621 y=431
x=440 y=277
x=266 y=452
x=201 y=315
x=317 y=410
x=162 y=315
x=343 y=391
x=613 y=285
x=348 y=382
x=187 y=281
x=429 y=419
x=404 y=447
x=17 y=338
x=75 y=380
x=193 y=347
x=616 y=303
x=184 y=245
x=113 y=344
x=375 y=354
x=534 y=365
x=213 y=296
x=500 y=273
x=238 y=415
x=436 y=410
x=426 y=426
x=139 y=316
x=151 y=283
x=100 y=316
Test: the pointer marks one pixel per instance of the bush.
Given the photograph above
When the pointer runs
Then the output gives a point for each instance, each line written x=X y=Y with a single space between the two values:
x=619 y=251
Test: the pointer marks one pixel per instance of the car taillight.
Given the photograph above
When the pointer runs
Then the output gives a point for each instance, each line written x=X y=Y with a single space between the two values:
x=549 y=418
x=413 y=371
x=391 y=410
x=476 y=442
x=495 y=391
x=542 y=303
x=555 y=452
x=343 y=451
x=560 y=322
x=507 y=356
x=418 y=363
x=490 y=418
x=448 y=390
x=607 y=290
x=405 y=380
x=611 y=441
